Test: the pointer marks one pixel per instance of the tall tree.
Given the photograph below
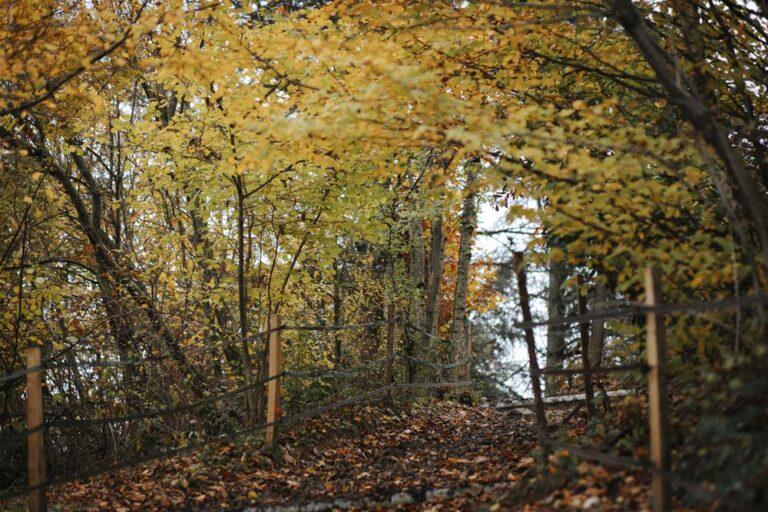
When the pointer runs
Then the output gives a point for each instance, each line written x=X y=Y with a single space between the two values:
x=436 y=265
x=597 y=343
x=557 y=272
x=466 y=233
x=242 y=302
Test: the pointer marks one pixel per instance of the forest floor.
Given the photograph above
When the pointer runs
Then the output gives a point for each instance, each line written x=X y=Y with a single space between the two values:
x=435 y=456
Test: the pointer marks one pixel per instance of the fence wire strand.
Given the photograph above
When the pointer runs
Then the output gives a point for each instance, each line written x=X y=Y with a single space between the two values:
x=69 y=423
x=322 y=373
x=637 y=308
x=21 y=372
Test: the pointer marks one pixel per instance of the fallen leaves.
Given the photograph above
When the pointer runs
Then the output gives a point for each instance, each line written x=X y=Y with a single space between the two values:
x=437 y=456
x=432 y=447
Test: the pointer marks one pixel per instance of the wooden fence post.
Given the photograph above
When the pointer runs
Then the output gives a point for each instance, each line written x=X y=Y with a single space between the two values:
x=530 y=341
x=273 y=386
x=35 y=440
x=657 y=393
x=389 y=376
x=468 y=341
x=589 y=393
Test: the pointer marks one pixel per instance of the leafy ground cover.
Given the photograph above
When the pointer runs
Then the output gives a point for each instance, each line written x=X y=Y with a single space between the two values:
x=433 y=456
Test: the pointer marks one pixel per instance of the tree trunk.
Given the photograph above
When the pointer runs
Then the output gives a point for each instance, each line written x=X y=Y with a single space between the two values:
x=530 y=342
x=467 y=230
x=436 y=265
x=416 y=274
x=596 y=346
x=242 y=296
x=589 y=393
x=555 y=334
x=122 y=332
x=337 y=312
x=218 y=314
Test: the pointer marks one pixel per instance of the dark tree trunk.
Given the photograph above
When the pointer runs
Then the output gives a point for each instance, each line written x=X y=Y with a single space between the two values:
x=555 y=334
x=467 y=230
x=436 y=265
x=242 y=295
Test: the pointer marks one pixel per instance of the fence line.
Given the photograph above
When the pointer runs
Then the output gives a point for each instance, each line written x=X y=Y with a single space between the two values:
x=75 y=423
x=578 y=319
x=320 y=373
x=333 y=327
x=109 y=363
x=704 y=305
x=642 y=367
x=66 y=423
x=438 y=366
x=17 y=374
x=653 y=309
x=21 y=372
x=636 y=308
x=408 y=325
x=304 y=415
x=15 y=437
x=37 y=487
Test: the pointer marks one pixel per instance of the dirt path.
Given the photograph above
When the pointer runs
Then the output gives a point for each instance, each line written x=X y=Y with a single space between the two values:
x=440 y=453
x=440 y=456
x=445 y=454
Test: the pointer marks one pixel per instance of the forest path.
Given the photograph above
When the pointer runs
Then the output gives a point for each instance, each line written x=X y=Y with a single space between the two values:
x=436 y=456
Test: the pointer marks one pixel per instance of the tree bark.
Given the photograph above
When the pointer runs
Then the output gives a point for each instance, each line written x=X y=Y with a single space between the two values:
x=555 y=334
x=530 y=342
x=436 y=265
x=597 y=344
x=219 y=314
x=467 y=230
x=416 y=274
x=242 y=301
x=589 y=393
x=337 y=312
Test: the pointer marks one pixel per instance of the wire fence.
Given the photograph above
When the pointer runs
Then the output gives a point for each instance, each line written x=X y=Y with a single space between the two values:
x=375 y=394
x=623 y=311
x=68 y=423
x=660 y=464
x=22 y=372
x=321 y=373
x=634 y=309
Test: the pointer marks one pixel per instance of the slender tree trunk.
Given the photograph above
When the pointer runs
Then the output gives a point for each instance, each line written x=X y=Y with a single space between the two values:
x=530 y=342
x=596 y=346
x=120 y=320
x=436 y=265
x=555 y=334
x=467 y=230
x=416 y=273
x=337 y=312
x=220 y=316
x=72 y=361
x=242 y=294
x=589 y=393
